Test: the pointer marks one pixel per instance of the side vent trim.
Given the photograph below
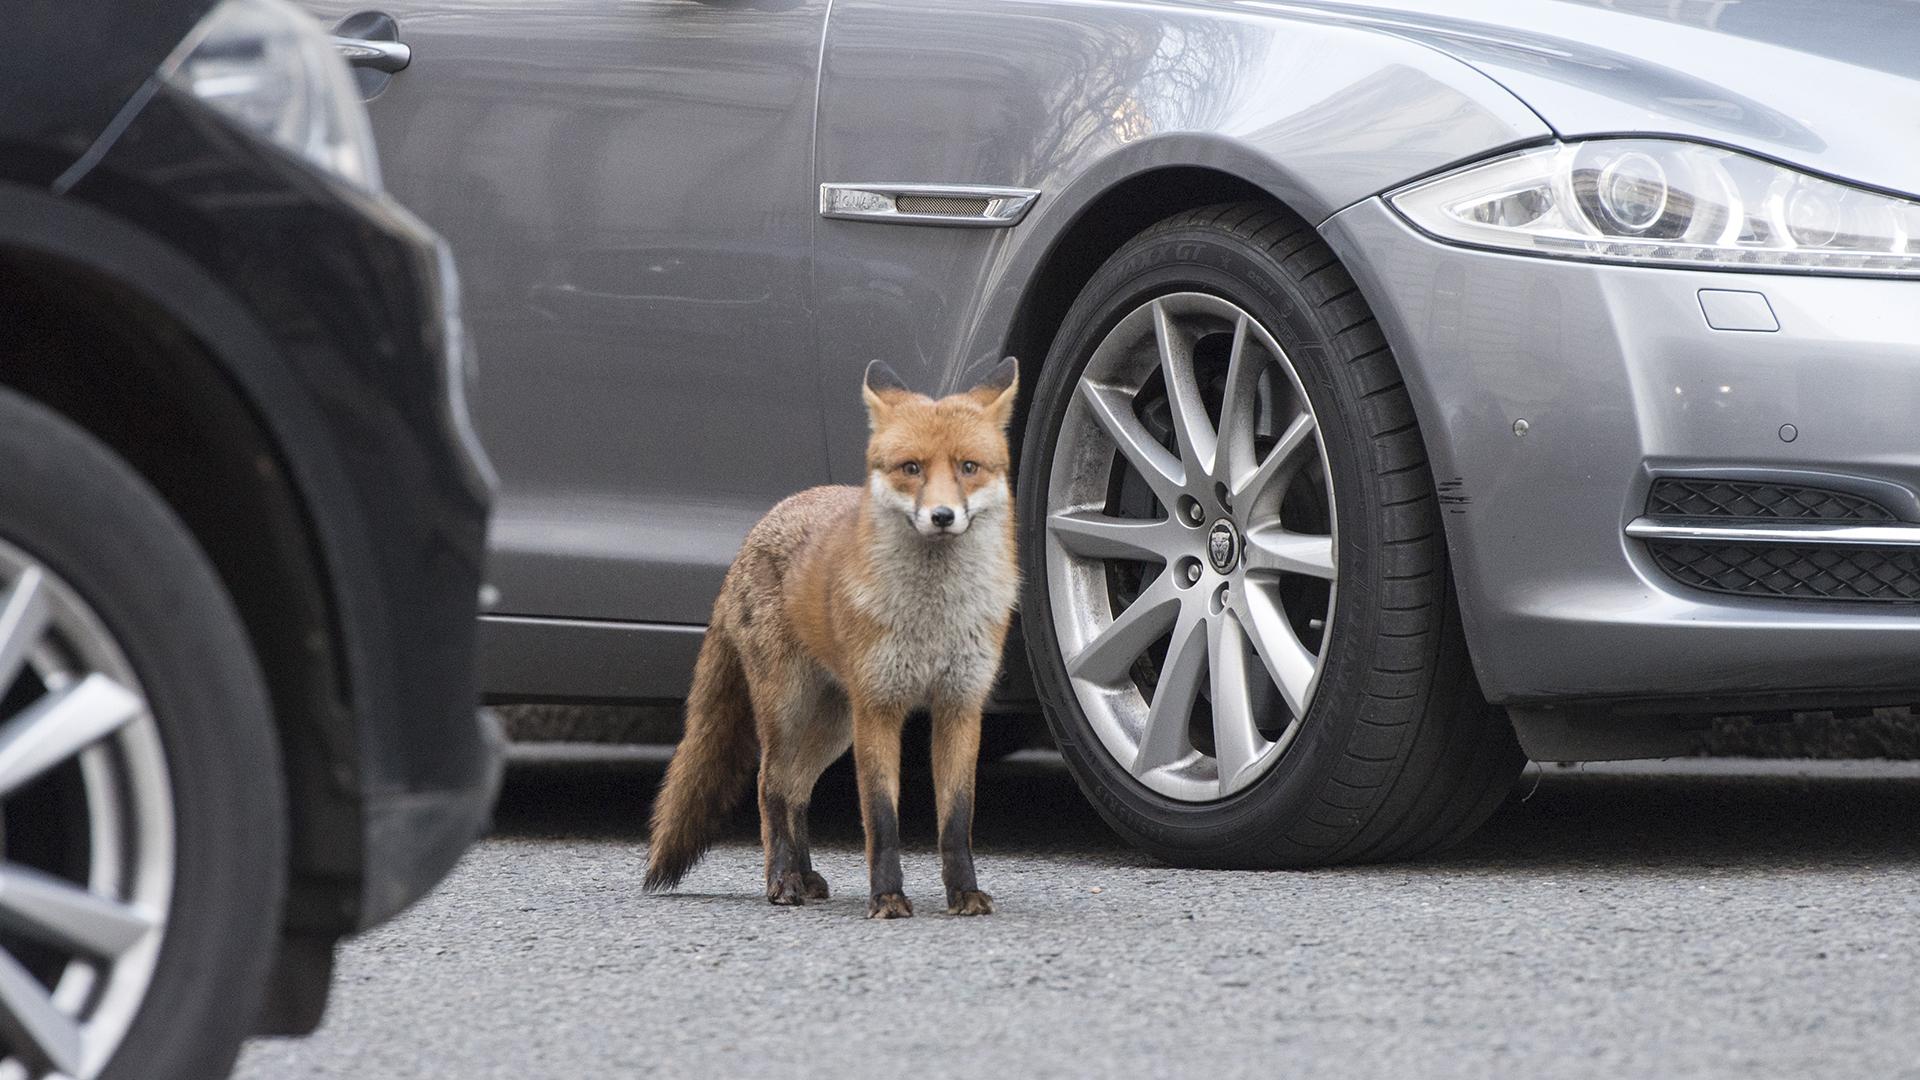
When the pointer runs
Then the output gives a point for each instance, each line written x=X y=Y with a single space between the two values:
x=948 y=205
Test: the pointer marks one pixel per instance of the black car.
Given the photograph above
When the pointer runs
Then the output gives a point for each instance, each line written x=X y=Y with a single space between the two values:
x=242 y=516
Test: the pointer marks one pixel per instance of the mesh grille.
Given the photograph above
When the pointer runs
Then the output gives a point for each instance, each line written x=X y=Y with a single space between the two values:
x=1673 y=497
x=1805 y=573
x=940 y=204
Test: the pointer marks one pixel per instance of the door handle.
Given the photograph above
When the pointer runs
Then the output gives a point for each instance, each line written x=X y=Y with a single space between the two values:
x=387 y=56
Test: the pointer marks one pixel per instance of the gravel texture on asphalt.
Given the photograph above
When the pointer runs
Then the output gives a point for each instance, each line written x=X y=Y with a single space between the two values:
x=1685 y=919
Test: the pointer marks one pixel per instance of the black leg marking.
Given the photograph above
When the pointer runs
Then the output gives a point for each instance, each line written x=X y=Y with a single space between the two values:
x=956 y=848
x=886 y=845
x=886 y=899
x=785 y=859
x=812 y=885
x=956 y=860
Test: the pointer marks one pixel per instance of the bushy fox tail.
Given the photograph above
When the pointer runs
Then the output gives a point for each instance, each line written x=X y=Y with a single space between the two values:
x=710 y=769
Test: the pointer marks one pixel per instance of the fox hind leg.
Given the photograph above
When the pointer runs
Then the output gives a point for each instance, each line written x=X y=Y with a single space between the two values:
x=785 y=885
x=806 y=728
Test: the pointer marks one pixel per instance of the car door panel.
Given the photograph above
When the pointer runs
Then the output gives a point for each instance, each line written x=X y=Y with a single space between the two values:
x=625 y=184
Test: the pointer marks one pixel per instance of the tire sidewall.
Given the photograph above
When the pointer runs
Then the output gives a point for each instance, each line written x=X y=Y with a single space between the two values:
x=70 y=503
x=1199 y=259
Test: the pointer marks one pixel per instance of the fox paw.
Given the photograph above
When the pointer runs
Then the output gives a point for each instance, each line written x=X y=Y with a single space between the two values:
x=815 y=886
x=891 y=905
x=970 y=902
x=790 y=890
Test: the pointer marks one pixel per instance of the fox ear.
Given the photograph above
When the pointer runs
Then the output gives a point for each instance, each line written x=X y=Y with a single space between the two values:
x=997 y=391
x=882 y=387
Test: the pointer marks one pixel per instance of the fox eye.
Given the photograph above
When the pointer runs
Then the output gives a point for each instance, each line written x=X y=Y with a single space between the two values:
x=911 y=468
x=969 y=467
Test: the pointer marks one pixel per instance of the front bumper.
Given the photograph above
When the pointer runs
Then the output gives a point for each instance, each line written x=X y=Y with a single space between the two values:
x=414 y=838
x=1620 y=381
x=335 y=313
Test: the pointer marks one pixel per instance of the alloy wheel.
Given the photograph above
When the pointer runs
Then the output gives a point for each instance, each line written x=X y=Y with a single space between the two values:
x=1190 y=547
x=86 y=831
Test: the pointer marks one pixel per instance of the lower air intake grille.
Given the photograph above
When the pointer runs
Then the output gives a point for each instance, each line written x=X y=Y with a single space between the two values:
x=1673 y=497
x=945 y=205
x=1803 y=573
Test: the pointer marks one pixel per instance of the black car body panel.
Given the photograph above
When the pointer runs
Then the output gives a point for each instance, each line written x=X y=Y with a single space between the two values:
x=330 y=313
x=53 y=116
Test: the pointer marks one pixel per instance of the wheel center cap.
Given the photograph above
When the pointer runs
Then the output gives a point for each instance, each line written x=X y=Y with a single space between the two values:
x=1223 y=545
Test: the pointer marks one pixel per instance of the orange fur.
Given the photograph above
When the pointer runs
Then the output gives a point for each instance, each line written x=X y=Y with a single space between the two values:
x=845 y=609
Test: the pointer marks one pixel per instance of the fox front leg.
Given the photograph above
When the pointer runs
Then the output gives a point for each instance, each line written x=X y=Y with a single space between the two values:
x=876 y=759
x=956 y=753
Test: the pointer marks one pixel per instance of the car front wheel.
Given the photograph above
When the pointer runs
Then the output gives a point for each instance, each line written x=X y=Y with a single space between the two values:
x=142 y=834
x=1237 y=596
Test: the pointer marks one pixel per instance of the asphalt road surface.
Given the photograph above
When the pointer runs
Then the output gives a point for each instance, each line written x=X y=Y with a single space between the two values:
x=1699 y=919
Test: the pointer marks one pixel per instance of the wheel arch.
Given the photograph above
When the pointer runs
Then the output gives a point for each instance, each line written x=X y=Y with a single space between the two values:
x=1108 y=220
x=1080 y=222
x=1107 y=206
x=132 y=342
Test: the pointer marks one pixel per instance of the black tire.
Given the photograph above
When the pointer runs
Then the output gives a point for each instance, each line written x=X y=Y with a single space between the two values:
x=1399 y=754
x=72 y=504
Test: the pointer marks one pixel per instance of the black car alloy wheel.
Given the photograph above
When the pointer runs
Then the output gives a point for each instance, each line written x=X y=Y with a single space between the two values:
x=86 y=871
x=142 y=821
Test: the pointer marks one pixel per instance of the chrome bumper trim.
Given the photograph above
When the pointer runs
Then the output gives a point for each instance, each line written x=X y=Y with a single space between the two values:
x=1784 y=533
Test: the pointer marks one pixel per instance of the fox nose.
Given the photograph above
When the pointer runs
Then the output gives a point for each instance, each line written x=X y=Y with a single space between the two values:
x=942 y=516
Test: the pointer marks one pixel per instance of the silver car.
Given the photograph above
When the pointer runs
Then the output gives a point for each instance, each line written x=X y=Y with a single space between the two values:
x=1408 y=383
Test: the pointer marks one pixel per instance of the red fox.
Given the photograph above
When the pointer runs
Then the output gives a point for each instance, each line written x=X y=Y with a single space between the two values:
x=846 y=609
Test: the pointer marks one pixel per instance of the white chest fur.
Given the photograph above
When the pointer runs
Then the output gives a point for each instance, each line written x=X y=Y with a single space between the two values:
x=941 y=602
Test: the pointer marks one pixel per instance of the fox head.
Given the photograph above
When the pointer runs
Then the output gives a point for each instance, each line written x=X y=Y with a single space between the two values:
x=941 y=464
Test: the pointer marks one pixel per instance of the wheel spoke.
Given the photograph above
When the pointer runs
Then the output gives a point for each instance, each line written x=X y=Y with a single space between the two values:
x=60 y=725
x=1237 y=742
x=1192 y=431
x=45 y=908
x=31 y=1023
x=1100 y=536
x=1233 y=454
x=1294 y=669
x=1165 y=739
x=23 y=618
x=1271 y=547
x=1157 y=466
x=1106 y=658
x=1253 y=483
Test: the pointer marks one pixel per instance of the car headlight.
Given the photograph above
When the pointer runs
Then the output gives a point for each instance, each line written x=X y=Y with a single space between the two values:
x=1667 y=203
x=270 y=66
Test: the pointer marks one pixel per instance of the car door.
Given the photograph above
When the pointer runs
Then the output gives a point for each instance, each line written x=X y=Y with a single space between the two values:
x=627 y=188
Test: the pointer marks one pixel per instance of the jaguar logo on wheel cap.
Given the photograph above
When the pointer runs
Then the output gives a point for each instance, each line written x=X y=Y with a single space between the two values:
x=1223 y=545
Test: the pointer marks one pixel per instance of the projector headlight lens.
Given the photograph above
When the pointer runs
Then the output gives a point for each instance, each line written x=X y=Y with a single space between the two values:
x=1664 y=202
x=1632 y=191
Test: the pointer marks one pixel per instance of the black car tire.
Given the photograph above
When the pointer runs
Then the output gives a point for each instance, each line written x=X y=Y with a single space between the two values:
x=1398 y=753
x=69 y=502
